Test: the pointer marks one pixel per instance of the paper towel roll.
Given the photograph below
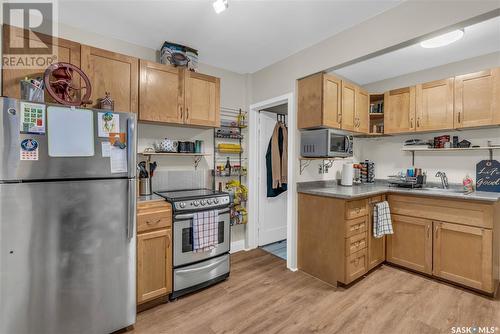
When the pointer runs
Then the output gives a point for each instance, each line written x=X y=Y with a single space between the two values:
x=347 y=174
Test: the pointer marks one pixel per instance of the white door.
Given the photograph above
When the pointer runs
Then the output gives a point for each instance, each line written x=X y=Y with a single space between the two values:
x=272 y=211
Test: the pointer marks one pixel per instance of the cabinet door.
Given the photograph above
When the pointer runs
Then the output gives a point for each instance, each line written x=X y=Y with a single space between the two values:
x=362 y=105
x=463 y=254
x=67 y=51
x=161 y=92
x=434 y=106
x=154 y=265
x=348 y=106
x=399 y=110
x=114 y=73
x=411 y=244
x=376 y=246
x=477 y=98
x=202 y=99
x=332 y=107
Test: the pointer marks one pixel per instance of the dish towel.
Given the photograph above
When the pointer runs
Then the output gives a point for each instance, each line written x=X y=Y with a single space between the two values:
x=382 y=223
x=205 y=230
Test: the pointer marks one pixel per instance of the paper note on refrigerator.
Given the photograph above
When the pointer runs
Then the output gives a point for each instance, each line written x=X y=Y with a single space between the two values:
x=106 y=149
x=118 y=160
x=107 y=122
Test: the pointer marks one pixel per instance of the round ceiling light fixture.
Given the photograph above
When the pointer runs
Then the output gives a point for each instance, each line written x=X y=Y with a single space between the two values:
x=220 y=6
x=442 y=40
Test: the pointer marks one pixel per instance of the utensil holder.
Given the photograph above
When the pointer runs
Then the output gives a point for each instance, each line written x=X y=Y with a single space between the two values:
x=145 y=186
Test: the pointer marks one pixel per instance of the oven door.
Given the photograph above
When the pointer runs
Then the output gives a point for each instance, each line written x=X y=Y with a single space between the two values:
x=183 y=239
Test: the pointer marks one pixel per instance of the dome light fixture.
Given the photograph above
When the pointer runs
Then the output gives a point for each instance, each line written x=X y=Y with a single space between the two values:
x=442 y=40
x=220 y=6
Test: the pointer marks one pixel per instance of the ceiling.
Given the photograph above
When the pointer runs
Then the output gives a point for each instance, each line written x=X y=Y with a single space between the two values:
x=479 y=39
x=247 y=37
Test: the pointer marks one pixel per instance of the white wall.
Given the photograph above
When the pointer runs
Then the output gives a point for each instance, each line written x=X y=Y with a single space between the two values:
x=234 y=90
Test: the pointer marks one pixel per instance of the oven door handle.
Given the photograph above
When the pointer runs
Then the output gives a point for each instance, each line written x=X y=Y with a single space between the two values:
x=207 y=266
x=191 y=215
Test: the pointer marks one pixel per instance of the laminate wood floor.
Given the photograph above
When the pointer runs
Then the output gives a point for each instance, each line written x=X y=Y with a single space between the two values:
x=262 y=296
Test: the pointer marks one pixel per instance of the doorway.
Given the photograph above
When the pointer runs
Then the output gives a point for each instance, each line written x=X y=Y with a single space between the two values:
x=256 y=160
x=272 y=202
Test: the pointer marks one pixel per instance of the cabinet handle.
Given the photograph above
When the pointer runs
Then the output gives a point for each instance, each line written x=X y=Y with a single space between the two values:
x=411 y=123
x=418 y=122
x=428 y=231
x=187 y=113
x=459 y=117
x=436 y=230
x=339 y=117
x=181 y=112
x=153 y=223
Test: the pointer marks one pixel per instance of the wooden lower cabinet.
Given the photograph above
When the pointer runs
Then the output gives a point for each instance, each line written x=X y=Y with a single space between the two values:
x=154 y=265
x=463 y=254
x=411 y=244
x=154 y=250
x=376 y=246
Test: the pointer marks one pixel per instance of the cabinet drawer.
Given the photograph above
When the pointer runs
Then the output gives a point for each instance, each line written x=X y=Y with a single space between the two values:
x=355 y=266
x=356 y=209
x=152 y=216
x=355 y=243
x=356 y=226
x=453 y=211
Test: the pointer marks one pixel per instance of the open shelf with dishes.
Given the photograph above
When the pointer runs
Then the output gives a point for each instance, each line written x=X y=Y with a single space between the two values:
x=376 y=114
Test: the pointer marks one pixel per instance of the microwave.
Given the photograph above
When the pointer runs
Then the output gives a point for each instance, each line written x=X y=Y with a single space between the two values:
x=326 y=143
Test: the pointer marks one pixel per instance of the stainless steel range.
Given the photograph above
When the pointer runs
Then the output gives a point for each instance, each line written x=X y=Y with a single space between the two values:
x=196 y=270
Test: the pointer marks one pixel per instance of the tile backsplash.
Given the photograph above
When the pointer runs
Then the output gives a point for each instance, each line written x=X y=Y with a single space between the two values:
x=181 y=179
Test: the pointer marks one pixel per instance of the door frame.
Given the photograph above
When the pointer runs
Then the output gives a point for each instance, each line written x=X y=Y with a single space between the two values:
x=253 y=176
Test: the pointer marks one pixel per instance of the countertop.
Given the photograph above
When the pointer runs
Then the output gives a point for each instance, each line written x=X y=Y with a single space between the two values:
x=148 y=198
x=332 y=189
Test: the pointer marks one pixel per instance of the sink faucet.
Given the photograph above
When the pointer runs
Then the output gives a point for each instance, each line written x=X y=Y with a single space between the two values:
x=444 y=179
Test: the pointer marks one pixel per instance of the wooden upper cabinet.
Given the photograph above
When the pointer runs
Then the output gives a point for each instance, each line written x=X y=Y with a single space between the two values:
x=202 y=99
x=362 y=108
x=67 y=51
x=411 y=244
x=477 y=99
x=161 y=93
x=463 y=254
x=319 y=101
x=348 y=106
x=434 y=105
x=114 y=73
x=399 y=110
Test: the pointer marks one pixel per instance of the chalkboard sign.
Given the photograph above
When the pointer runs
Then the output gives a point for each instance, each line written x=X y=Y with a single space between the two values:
x=488 y=176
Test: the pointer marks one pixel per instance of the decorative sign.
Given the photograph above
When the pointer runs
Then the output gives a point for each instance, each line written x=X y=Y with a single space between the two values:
x=29 y=149
x=488 y=176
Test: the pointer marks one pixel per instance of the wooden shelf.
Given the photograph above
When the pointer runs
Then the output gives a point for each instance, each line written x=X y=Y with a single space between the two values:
x=376 y=114
x=175 y=154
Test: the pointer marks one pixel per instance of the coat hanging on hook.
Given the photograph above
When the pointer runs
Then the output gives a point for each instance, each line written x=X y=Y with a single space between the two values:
x=277 y=161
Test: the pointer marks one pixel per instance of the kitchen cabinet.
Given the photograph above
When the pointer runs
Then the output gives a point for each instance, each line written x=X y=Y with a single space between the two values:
x=154 y=250
x=161 y=93
x=477 y=99
x=376 y=246
x=399 y=110
x=411 y=244
x=114 y=73
x=319 y=101
x=362 y=108
x=202 y=99
x=333 y=243
x=67 y=51
x=434 y=105
x=463 y=254
x=348 y=118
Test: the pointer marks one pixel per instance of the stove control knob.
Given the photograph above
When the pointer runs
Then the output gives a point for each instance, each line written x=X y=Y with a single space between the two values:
x=216 y=201
x=209 y=201
x=203 y=202
x=182 y=205
x=195 y=203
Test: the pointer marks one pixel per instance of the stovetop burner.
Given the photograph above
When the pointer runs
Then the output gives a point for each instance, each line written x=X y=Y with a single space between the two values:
x=195 y=199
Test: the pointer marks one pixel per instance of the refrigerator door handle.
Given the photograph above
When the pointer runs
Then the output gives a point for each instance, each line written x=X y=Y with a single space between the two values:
x=131 y=146
x=132 y=203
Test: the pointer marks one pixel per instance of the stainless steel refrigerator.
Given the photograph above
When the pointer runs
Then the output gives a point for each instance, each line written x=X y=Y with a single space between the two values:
x=67 y=219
